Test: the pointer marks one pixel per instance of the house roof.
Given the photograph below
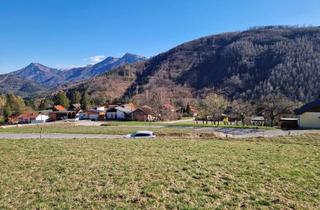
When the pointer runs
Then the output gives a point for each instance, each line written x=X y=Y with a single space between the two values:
x=95 y=111
x=130 y=106
x=62 y=112
x=119 y=108
x=27 y=116
x=307 y=107
x=145 y=109
x=168 y=106
x=257 y=118
x=288 y=119
x=59 y=108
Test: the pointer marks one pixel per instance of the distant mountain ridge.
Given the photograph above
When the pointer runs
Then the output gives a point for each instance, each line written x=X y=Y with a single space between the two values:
x=23 y=87
x=104 y=66
x=43 y=77
x=39 y=73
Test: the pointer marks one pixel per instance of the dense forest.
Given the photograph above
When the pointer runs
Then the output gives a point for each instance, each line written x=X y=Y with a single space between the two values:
x=248 y=65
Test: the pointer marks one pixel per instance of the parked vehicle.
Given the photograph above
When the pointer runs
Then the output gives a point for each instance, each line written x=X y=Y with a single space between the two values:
x=141 y=134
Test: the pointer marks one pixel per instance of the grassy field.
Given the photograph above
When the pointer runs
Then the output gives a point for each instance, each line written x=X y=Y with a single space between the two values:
x=161 y=131
x=280 y=173
x=183 y=124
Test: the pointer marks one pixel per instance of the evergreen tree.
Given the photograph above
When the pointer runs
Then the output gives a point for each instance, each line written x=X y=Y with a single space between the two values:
x=188 y=110
x=45 y=104
x=61 y=99
x=16 y=104
x=75 y=97
x=85 y=101
x=7 y=112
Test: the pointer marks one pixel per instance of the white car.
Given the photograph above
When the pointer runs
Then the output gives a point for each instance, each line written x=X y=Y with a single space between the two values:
x=141 y=134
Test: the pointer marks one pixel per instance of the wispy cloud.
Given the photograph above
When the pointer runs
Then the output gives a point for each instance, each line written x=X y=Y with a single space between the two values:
x=96 y=59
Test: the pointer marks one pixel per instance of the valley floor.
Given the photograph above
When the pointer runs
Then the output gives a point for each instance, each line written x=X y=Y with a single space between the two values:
x=275 y=173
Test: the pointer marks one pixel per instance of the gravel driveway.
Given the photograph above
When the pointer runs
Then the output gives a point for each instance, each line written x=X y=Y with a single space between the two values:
x=253 y=133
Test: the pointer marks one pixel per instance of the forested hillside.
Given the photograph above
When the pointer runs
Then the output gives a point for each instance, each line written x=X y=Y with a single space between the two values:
x=240 y=65
x=23 y=87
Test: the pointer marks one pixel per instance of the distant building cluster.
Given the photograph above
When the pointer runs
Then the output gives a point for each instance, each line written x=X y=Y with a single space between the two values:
x=307 y=116
x=122 y=112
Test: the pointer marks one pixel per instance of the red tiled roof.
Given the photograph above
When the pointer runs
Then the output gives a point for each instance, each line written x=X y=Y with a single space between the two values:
x=28 y=116
x=59 y=108
x=168 y=106
x=24 y=116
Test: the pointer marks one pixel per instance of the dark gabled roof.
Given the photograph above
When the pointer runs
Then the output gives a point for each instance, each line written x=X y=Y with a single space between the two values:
x=307 y=107
x=124 y=110
x=145 y=109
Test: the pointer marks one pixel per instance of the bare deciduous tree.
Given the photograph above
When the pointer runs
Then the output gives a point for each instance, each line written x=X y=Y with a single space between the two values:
x=213 y=106
x=273 y=106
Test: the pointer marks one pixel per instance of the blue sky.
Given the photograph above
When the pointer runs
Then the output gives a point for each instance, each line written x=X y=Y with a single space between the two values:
x=65 y=33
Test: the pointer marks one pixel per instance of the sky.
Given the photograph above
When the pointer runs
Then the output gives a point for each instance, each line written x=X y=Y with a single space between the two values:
x=69 y=33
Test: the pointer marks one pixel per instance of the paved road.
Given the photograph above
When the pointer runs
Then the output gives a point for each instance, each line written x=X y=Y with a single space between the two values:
x=56 y=136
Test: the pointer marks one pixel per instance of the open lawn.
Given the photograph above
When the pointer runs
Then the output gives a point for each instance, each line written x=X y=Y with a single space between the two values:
x=279 y=173
x=164 y=129
x=182 y=123
x=116 y=130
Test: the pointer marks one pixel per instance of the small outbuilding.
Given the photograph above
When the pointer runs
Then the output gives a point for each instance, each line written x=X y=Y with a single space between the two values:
x=287 y=123
x=309 y=115
x=258 y=121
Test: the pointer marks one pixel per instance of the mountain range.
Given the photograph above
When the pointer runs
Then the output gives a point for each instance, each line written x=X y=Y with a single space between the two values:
x=247 y=65
x=243 y=65
x=36 y=78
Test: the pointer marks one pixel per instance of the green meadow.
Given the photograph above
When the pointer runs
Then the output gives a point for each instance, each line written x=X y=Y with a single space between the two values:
x=166 y=173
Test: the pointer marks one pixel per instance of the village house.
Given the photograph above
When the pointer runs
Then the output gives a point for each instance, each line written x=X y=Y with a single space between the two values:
x=309 y=115
x=40 y=118
x=59 y=112
x=143 y=113
x=27 y=118
x=117 y=113
x=131 y=106
x=92 y=114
